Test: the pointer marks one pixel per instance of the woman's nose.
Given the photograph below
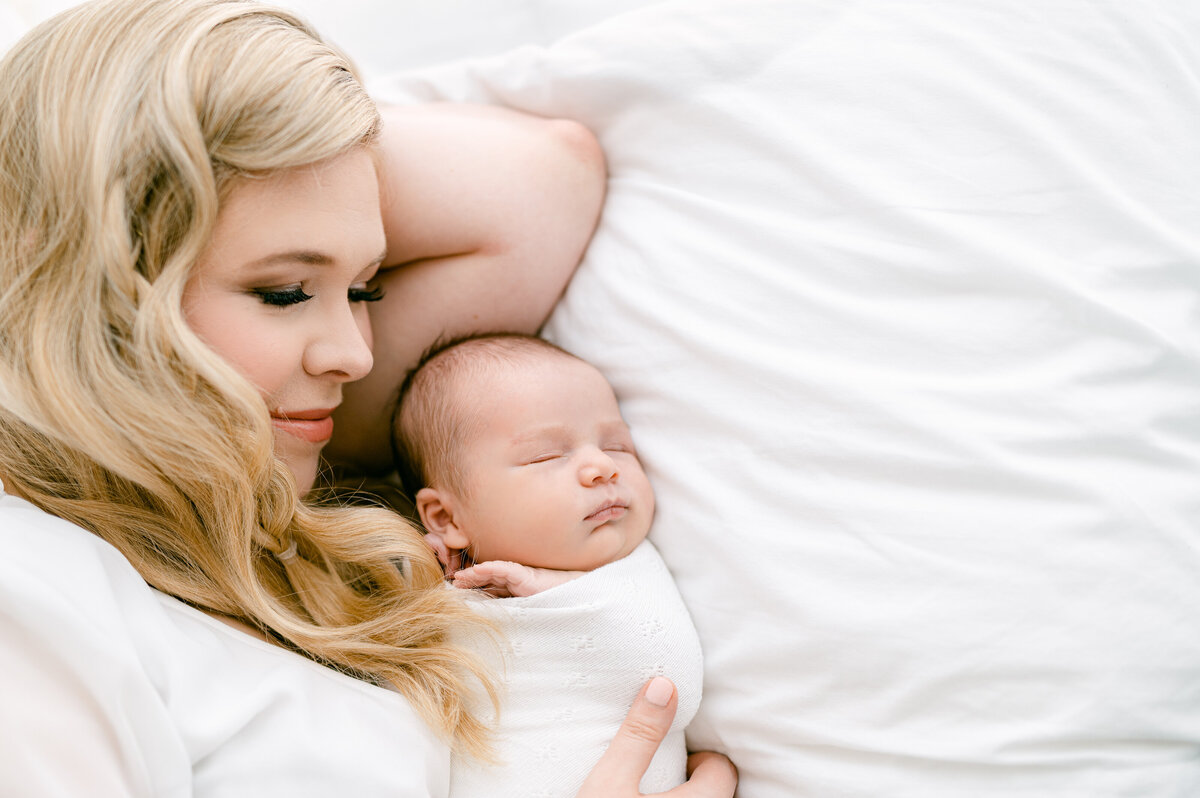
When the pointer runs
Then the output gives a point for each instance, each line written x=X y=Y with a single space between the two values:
x=341 y=347
x=598 y=467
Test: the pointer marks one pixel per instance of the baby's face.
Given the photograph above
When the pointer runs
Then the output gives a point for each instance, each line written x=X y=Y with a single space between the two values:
x=552 y=478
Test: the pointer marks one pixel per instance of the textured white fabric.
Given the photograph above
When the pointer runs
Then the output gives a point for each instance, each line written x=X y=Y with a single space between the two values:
x=113 y=689
x=577 y=655
x=902 y=302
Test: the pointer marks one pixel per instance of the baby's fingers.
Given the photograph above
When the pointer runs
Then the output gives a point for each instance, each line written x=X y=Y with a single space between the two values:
x=492 y=576
x=470 y=577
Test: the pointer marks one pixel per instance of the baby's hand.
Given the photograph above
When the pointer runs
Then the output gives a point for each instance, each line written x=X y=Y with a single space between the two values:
x=508 y=579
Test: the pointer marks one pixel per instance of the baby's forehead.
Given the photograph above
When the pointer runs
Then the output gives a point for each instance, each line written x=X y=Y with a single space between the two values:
x=550 y=387
x=476 y=380
x=484 y=370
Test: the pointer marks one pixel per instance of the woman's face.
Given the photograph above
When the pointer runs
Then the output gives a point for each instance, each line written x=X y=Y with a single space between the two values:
x=280 y=294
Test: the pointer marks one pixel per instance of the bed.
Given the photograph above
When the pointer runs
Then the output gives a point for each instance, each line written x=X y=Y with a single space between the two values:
x=901 y=299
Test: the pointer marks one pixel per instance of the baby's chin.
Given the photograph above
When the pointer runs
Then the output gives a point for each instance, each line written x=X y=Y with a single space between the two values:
x=611 y=544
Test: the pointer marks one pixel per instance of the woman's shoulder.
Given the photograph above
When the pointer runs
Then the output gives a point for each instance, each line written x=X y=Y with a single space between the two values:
x=163 y=694
x=67 y=604
x=62 y=569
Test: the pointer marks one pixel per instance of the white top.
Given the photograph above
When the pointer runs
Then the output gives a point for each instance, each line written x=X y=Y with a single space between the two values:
x=112 y=688
x=576 y=657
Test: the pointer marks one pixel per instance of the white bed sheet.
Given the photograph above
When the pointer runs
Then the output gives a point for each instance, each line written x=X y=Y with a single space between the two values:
x=902 y=300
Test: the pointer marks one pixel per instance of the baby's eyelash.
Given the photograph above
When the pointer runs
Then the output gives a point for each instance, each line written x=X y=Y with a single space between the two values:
x=366 y=294
x=282 y=297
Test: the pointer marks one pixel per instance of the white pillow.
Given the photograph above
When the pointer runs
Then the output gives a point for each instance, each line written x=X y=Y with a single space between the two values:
x=902 y=301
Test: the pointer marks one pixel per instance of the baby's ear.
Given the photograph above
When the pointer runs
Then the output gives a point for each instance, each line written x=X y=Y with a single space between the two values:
x=441 y=533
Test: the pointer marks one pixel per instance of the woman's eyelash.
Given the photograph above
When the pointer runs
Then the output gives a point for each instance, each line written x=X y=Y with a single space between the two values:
x=366 y=294
x=281 y=297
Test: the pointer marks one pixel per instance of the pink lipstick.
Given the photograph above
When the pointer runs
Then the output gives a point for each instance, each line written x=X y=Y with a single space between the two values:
x=314 y=426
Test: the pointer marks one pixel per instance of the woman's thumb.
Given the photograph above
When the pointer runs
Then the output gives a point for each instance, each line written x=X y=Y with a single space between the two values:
x=622 y=766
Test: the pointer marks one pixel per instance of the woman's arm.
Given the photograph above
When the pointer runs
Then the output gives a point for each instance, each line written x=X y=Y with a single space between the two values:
x=487 y=212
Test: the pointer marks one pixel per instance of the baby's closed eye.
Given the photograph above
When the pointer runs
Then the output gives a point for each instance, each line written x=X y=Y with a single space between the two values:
x=543 y=457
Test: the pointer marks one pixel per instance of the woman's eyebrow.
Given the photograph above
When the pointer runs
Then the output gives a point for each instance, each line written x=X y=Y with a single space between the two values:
x=310 y=257
x=306 y=256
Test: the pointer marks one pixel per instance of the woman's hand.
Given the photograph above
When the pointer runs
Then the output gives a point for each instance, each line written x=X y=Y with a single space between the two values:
x=619 y=771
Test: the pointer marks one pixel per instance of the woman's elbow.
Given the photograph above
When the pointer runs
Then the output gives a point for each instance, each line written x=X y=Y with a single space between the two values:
x=581 y=163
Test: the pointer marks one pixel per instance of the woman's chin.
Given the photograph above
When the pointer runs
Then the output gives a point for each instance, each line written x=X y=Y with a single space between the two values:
x=304 y=470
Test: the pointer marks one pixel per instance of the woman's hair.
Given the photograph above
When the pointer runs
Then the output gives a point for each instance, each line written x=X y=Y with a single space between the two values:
x=123 y=124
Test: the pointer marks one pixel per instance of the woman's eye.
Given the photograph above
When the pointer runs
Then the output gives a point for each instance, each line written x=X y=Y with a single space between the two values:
x=365 y=294
x=281 y=297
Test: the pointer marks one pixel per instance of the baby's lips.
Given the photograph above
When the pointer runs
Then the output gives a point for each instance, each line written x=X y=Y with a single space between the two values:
x=609 y=511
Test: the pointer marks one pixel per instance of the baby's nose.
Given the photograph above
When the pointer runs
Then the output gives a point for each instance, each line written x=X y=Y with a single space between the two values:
x=598 y=469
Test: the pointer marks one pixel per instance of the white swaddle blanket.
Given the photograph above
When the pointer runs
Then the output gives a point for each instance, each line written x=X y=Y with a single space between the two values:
x=576 y=657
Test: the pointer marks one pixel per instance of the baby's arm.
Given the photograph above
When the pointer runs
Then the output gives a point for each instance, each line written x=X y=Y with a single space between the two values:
x=508 y=579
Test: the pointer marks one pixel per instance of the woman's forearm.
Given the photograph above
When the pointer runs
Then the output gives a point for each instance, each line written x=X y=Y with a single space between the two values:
x=487 y=212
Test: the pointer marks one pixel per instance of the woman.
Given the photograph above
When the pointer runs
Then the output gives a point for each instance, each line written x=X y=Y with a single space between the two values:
x=192 y=228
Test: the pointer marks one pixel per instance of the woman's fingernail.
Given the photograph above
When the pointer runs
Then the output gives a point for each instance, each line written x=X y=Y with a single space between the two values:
x=659 y=691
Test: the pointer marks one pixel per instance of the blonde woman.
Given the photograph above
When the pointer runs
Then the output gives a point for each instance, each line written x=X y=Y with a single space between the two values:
x=197 y=203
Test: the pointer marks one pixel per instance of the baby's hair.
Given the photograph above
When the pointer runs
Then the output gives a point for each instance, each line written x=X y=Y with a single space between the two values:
x=432 y=416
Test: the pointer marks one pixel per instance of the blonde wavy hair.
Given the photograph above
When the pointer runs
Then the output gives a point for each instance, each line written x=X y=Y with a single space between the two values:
x=122 y=125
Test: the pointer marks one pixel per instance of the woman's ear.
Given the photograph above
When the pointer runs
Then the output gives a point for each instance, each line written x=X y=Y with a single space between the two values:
x=441 y=532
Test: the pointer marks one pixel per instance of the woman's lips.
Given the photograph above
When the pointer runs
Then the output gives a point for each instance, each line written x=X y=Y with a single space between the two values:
x=312 y=426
